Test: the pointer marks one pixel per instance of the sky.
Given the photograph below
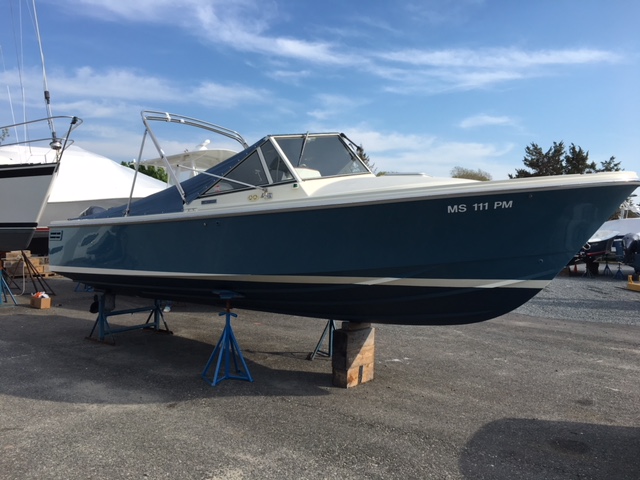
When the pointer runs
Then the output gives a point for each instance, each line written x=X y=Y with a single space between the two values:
x=421 y=85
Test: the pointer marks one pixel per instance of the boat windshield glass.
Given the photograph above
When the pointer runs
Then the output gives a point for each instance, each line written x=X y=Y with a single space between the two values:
x=327 y=155
x=247 y=173
x=277 y=168
x=312 y=156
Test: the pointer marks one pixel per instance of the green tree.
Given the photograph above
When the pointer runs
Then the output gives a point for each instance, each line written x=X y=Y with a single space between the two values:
x=577 y=161
x=365 y=158
x=150 y=170
x=461 y=172
x=541 y=163
x=558 y=161
x=610 y=165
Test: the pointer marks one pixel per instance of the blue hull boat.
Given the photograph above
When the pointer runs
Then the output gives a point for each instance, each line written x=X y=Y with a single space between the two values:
x=297 y=224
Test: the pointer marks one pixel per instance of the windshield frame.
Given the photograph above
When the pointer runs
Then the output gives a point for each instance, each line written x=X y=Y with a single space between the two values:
x=324 y=159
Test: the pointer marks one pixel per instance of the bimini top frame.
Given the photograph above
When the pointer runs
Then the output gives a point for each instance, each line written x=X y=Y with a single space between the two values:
x=149 y=116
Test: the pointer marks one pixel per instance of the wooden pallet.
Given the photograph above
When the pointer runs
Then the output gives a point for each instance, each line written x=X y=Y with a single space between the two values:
x=13 y=263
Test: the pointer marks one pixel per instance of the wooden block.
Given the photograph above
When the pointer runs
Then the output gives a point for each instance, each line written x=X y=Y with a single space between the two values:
x=353 y=348
x=15 y=254
x=353 y=357
x=13 y=264
x=36 y=261
x=354 y=376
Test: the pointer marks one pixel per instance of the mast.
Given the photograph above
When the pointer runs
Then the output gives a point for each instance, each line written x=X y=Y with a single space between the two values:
x=55 y=144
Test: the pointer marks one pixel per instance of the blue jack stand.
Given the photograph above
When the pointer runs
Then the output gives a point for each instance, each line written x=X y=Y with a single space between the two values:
x=328 y=329
x=81 y=287
x=619 y=275
x=227 y=349
x=4 y=289
x=106 y=305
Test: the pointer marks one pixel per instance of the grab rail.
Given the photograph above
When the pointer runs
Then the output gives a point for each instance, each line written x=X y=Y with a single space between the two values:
x=57 y=144
x=157 y=116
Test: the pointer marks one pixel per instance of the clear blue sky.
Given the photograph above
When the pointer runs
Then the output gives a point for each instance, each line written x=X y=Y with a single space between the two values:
x=422 y=85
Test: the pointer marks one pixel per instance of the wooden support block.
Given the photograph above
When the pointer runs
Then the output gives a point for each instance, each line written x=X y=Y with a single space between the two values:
x=16 y=254
x=353 y=355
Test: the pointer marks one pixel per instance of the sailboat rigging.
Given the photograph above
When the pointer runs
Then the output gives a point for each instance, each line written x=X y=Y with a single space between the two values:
x=25 y=181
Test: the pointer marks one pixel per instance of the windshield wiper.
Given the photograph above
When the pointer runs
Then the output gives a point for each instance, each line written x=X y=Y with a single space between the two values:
x=304 y=144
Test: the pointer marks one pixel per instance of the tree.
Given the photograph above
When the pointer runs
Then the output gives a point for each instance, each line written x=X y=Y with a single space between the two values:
x=461 y=172
x=557 y=161
x=577 y=161
x=365 y=159
x=541 y=163
x=150 y=170
x=4 y=133
x=610 y=165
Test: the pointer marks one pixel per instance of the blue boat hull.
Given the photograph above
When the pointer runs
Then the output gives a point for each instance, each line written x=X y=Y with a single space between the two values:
x=431 y=261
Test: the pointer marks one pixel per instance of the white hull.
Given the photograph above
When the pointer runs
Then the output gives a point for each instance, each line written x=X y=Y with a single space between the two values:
x=84 y=180
x=24 y=190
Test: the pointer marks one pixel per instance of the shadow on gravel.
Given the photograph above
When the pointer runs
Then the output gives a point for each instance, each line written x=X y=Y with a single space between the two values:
x=535 y=449
x=49 y=358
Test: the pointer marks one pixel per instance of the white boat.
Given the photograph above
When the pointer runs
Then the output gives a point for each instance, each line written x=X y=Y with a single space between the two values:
x=188 y=164
x=88 y=180
x=86 y=183
x=24 y=189
x=25 y=184
x=28 y=170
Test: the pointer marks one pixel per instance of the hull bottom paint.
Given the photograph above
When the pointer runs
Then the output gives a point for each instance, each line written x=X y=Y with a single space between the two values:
x=379 y=304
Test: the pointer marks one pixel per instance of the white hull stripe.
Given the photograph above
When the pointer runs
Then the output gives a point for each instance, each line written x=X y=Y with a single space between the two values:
x=312 y=279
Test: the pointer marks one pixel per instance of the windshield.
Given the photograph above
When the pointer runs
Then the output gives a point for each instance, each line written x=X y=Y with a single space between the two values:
x=326 y=154
x=312 y=156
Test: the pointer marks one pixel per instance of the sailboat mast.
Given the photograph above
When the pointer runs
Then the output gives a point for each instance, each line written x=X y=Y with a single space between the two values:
x=55 y=144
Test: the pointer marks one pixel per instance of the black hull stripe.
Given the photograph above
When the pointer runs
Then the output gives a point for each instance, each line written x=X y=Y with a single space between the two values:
x=28 y=170
x=19 y=225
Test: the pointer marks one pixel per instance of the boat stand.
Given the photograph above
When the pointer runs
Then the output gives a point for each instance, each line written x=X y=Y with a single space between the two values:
x=81 y=287
x=619 y=275
x=353 y=362
x=4 y=290
x=37 y=279
x=328 y=329
x=227 y=350
x=106 y=308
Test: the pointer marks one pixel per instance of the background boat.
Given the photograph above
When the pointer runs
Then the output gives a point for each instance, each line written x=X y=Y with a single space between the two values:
x=85 y=182
x=26 y=182
x=188 y=164
x=24 y=189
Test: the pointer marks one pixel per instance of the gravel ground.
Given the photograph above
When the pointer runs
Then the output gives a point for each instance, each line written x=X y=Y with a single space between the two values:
x=548 y=392
x=600 y=299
